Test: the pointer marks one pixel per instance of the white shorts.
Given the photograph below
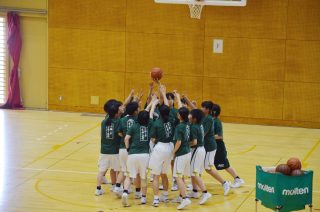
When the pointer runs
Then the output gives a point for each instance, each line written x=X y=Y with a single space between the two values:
x=197 y=157
x=107 y=161
x=182 y=165
x=138 y=164
x=123 y=157
x=160 y=158
x=209 y=160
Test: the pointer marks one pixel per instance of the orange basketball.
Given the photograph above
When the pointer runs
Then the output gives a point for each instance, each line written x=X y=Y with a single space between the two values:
x=156 y=73
x=284 y=169
x=297 y=172
x=294 y=163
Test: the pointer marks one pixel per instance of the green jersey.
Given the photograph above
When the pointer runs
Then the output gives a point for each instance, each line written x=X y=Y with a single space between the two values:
x=139 y=141
x=110 y=140
x=162 y=132
x=197 y=132
x=173 y=116
x=218 y=127
x=209 y=141
x=182 y=133
x=125 y=124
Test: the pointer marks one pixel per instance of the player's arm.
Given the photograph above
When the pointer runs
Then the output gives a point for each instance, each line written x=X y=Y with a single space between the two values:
x=177 y=95
x=151 y=86
x=163 y=96
x=129 y=98
x=189 y=103
x=218 y=137
x=218 y=132
x=154 y=104
x=126 y=141
x=193 y=142
x=177 y=146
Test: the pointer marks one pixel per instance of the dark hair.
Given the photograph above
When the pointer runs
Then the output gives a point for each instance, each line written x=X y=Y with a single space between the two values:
x=108 y=104
x=216 y=110
x=143 y=118
x=184 y=101
x=197 y=114
x=208 y=105
x=170 y=95
x=132 y=107
x=164 y=112
x=112 y=110
x=184 y=112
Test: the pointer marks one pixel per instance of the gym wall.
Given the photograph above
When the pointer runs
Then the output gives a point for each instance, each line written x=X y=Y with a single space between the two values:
x=269 y=72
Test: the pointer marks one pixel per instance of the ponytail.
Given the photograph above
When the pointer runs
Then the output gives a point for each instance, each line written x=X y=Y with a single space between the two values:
x=113 y=109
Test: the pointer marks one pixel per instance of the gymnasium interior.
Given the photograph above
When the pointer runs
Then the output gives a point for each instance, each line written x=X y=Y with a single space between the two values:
x=260 y=62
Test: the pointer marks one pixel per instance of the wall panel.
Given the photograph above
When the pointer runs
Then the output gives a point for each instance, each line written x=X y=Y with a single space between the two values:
x=76 y=87
x=88 y=14
x=245 y=98
x=147 y=16
x=169 y=52
x=303 y=20
x=245 y=58
x=302 y=101
x=303 y=61
x=259 y=19
x=86 y=49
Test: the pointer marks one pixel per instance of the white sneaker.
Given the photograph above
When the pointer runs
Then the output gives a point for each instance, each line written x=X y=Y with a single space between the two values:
x=194 y=195
x=204 y=198
x=189 y=187
x=177 y=200
x=137 y=195
x=164 y=198
x=125 y=200
x=155 y=202
x=174 y=187
x=143 y=200
x=118 y=191
x=184 y=203
x=160 y=187
x=104 y=180
x=238 y=182
x=112 y=188
x=226 y=188
x=99 y=192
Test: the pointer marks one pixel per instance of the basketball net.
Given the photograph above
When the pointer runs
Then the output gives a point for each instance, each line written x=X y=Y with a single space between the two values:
x=195 y=7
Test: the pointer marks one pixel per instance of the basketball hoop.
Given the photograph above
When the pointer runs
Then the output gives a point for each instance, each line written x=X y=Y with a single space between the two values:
x=195 y=7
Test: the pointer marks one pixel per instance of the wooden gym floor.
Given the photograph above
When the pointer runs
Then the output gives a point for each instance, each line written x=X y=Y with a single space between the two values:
x=48 y=162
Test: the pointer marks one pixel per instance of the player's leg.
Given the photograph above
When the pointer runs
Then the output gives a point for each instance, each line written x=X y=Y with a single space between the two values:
x=103 y=165
x=137 y=183
x=182 y=187
x=143 y=161
x=132 y=173
x=208 y=165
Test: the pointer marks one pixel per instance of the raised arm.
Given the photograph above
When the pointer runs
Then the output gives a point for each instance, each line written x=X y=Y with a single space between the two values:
x=129 y=98
x=189 y=103
x=153 y=107
x=177 y=95
x=151 y=86
x=163 y=92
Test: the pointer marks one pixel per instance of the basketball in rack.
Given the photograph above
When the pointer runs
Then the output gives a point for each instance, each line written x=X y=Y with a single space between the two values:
x=196 y=6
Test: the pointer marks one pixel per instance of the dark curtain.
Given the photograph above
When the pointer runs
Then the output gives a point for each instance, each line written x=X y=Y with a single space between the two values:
x=14 y=46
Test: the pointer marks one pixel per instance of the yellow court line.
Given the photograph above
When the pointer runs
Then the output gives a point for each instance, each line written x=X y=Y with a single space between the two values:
x=56 y=147
x=310 y=152
x=36 y=186
x=245 y=151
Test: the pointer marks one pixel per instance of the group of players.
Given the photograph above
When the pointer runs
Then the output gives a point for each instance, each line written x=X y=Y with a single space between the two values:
x=188 y=139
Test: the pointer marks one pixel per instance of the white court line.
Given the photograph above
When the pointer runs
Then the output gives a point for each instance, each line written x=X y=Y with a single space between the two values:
x=94 y=173
x=57 y=170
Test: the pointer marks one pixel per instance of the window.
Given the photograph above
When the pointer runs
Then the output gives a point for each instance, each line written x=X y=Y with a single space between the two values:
x=3 y=60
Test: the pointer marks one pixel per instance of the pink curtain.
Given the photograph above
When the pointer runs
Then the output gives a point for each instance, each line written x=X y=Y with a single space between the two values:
x=14 y=46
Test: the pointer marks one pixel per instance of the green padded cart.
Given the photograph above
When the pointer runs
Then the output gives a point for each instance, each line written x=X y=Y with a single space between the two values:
x=283 y=193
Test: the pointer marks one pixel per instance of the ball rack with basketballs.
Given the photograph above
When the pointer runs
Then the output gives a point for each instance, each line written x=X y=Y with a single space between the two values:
x=285 y=187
